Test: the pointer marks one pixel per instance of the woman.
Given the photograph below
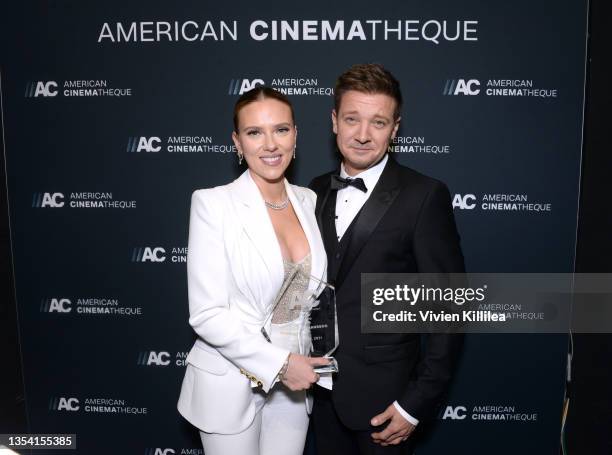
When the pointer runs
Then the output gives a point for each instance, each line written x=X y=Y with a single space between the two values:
x=243 y=388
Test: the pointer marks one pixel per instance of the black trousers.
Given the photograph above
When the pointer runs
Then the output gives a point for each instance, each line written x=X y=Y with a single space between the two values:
x=332 y=437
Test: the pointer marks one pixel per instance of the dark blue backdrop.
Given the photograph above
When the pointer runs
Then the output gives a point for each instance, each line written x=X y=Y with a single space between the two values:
x=496 y=114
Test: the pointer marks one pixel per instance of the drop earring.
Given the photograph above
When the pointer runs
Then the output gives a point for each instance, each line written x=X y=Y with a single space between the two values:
x=239 y=159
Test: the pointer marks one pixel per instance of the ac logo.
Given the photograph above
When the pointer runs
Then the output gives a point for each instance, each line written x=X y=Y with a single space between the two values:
x=54 y=200
x=239 y=86
x=465 y=202
x=148 y=254
x=456 y=413
x=41 y=88
x=144 y=144
x=158 y=451
x=56 y=306
x=64 y=404
x=148 y=358
x=461 y=87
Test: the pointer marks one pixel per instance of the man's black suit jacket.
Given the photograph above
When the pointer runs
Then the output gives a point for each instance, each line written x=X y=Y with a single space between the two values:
x=406 y=226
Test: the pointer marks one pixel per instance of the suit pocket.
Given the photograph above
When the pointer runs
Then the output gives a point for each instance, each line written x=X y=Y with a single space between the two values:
x=390 y=352
x=211 y=362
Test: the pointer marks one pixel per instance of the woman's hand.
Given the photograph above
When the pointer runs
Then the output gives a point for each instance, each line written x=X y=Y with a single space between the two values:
x=300 y=374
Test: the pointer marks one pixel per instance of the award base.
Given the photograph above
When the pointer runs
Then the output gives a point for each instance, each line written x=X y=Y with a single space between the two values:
x=331 y=368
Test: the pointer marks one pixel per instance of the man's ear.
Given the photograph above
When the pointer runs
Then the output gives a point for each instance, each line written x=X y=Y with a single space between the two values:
x=334 y=121
x=395 y=128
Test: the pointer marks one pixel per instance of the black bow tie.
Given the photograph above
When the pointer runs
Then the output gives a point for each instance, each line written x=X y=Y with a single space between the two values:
x=337 y=183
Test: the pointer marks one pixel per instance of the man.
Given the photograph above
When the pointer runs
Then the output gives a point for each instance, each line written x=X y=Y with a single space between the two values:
x=378 y=216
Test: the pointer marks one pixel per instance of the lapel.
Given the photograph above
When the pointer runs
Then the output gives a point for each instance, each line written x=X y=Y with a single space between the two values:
x=325 y=211
x=305 y=214
x=322 y=201
x=253 y=216
x=328 y=222
x=383 y=195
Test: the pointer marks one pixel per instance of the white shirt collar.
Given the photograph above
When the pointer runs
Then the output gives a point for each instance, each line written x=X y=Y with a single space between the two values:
x=370 y=176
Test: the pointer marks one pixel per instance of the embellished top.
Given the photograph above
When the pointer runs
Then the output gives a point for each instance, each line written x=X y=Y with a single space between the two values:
x=288 y=308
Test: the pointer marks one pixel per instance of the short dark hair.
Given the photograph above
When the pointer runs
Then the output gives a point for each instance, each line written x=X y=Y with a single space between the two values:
x=259 y=93
x=371 y=78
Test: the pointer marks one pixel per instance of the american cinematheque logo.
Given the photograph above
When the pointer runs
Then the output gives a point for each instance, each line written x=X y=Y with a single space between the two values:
x=87 y=306
x=89 y=200
x=516 y=88
x=91 y=88
x=418 y=145
x=514 y=202
x=292 y=85
x=178 y=144
x=431 y=30
x=161 y=358
x=489 y=413
x=157 y=254
x=70 y=403
x=172 y=451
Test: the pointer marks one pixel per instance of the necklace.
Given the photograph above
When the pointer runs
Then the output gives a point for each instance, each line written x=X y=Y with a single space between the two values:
x=277 y=206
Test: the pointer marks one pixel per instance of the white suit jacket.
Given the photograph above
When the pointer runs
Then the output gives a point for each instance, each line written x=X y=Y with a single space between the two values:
x=234 y=271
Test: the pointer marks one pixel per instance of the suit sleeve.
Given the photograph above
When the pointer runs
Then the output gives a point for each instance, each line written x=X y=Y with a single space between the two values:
x=208 y=281
x=437 y=250
x=318 y=183
x=313 y=185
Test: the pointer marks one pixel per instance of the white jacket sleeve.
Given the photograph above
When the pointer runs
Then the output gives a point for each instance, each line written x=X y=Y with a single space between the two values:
x=208 y=277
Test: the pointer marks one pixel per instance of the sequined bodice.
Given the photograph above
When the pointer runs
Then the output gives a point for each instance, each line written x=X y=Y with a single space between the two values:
x=287 y=310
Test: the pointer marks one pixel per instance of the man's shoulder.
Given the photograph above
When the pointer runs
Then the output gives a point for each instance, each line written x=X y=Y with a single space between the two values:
x=416 y=180
x=319 y=184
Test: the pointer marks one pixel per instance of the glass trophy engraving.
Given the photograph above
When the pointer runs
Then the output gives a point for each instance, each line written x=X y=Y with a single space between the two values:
x=315 y=308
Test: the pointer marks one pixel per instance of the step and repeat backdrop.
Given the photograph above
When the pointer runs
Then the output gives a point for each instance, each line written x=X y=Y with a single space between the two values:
x=115 y=112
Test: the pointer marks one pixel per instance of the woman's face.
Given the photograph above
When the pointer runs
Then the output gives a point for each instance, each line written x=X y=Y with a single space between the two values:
x=266 y=137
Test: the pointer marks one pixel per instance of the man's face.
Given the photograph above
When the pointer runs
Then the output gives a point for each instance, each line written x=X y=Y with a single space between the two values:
x=364 y=127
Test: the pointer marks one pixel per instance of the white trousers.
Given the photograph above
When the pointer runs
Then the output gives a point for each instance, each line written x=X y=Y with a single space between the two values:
x=279 y=427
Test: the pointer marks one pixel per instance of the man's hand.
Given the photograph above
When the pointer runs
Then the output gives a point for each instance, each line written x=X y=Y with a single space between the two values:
x=396 y=431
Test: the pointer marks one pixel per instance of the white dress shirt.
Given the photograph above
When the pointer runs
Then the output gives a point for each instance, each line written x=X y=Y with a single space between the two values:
x=349 y=202
x=350 y=199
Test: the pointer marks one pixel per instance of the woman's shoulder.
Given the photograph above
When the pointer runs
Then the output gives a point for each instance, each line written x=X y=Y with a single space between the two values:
x=216 y=195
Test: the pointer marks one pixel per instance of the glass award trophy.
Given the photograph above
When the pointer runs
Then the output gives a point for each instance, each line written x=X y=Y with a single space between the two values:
x=312 y=306
x=324 y=325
